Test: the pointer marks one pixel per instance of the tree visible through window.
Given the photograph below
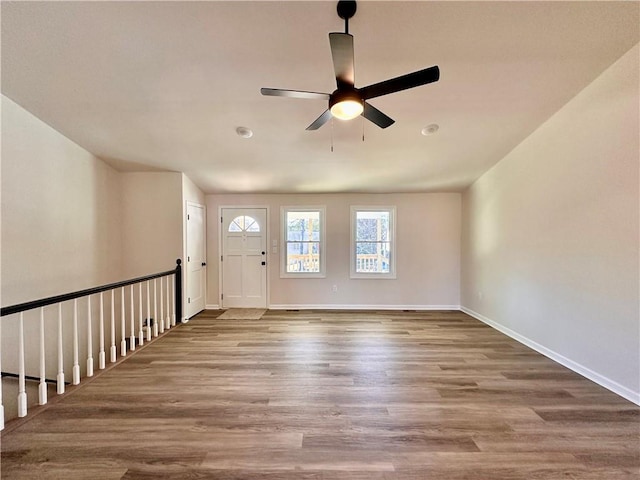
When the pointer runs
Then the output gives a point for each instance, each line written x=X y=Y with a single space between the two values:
x=302 y=242
x=372 y=241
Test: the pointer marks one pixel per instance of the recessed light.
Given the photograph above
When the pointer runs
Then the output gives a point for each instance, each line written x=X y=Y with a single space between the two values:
x=430 y=129
x=244 y=132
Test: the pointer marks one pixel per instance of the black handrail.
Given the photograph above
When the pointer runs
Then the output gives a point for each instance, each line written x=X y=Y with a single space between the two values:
x=43 y=302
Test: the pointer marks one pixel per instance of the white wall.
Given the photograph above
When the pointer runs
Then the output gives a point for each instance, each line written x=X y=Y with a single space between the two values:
x=428 y=252
x=551 y=235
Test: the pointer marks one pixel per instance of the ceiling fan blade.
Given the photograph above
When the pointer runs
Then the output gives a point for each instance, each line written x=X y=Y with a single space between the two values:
x=321 y=120
x=342 y=53
x=277 y=92
x=410 y=80
x=374 y=115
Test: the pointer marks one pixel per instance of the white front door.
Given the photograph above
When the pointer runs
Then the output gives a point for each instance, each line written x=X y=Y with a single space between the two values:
x=196 y=260
x=244 y=258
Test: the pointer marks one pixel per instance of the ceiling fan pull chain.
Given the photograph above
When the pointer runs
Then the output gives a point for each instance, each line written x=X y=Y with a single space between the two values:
x=362 y=128
x=331 y=134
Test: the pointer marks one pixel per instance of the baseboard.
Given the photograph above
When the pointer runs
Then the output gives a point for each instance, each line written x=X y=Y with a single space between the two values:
x=287 y=306
x=601 y=380
x=360 y=307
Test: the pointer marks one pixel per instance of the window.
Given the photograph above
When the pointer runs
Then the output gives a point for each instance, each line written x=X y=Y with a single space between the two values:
x=302 y=242
x=373 y=242
x=244 y=223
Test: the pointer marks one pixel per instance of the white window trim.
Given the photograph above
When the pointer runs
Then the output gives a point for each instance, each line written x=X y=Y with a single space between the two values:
x=283 y=241
x=392 y=240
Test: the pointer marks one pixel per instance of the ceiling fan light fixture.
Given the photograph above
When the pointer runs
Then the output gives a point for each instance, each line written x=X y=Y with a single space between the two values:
x=345 y=105
x=347 y=109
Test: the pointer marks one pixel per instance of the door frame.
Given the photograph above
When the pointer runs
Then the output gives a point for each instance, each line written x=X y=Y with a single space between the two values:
x=185 y=276
x=221 y=247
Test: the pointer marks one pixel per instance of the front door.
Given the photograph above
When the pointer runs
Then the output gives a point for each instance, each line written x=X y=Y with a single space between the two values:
x=244 y=258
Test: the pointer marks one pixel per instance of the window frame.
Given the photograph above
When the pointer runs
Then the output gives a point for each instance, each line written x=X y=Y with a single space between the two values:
x=284 y=210
x=391 y=274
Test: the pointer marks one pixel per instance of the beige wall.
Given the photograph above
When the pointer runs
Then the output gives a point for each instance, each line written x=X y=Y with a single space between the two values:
x=151 y=222
x=60 y=212
x=551 y=235
x=428 y=252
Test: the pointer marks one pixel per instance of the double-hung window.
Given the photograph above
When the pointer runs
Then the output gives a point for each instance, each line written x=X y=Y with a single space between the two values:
x=303 y=239
x=373 y=242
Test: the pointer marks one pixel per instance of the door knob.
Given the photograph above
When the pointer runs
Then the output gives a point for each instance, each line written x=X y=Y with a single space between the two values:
x=264 y=253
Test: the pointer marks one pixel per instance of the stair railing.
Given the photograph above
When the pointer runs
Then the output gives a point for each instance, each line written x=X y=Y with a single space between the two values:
x=169 y=295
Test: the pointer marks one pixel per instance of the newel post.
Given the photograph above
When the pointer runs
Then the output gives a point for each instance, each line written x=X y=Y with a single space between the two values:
x=178 y=290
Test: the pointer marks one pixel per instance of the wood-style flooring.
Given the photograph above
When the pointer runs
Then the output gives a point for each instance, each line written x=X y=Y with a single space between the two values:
x=316 y=395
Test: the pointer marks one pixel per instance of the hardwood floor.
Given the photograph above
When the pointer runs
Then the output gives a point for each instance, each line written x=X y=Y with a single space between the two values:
x=332 y=395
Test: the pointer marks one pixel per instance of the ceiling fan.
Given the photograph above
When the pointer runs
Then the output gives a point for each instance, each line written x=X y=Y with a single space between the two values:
x=347 y=101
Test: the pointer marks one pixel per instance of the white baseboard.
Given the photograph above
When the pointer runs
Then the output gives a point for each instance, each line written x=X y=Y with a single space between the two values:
x=601 y=380
x=361 y=307
x=287 y=306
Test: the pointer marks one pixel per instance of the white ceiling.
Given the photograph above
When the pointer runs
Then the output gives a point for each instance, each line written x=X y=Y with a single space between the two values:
x=163 y=85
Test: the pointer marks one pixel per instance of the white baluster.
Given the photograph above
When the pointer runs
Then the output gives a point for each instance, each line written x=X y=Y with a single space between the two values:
x=22 y=390
x=113 y=350
x=148 y=314
x=76 y=365
x=168 y=321
x=132 y=342
x=123 y=342
x=155 y=309
x=173 y=298
x=42 y=386
x=140 y=333
x=89 y=339
x=101 y=355
x=1 y=405
x=60 y=377
x=161 y=307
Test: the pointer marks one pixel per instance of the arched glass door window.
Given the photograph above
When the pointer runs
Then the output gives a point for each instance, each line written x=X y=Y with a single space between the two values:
x=244 y=223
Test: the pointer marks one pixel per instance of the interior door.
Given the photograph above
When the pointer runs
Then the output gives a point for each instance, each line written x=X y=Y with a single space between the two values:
x=244 y=259
x=196 y=260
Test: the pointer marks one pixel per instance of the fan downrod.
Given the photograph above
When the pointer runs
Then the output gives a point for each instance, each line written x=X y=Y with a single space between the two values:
x=346 y=10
